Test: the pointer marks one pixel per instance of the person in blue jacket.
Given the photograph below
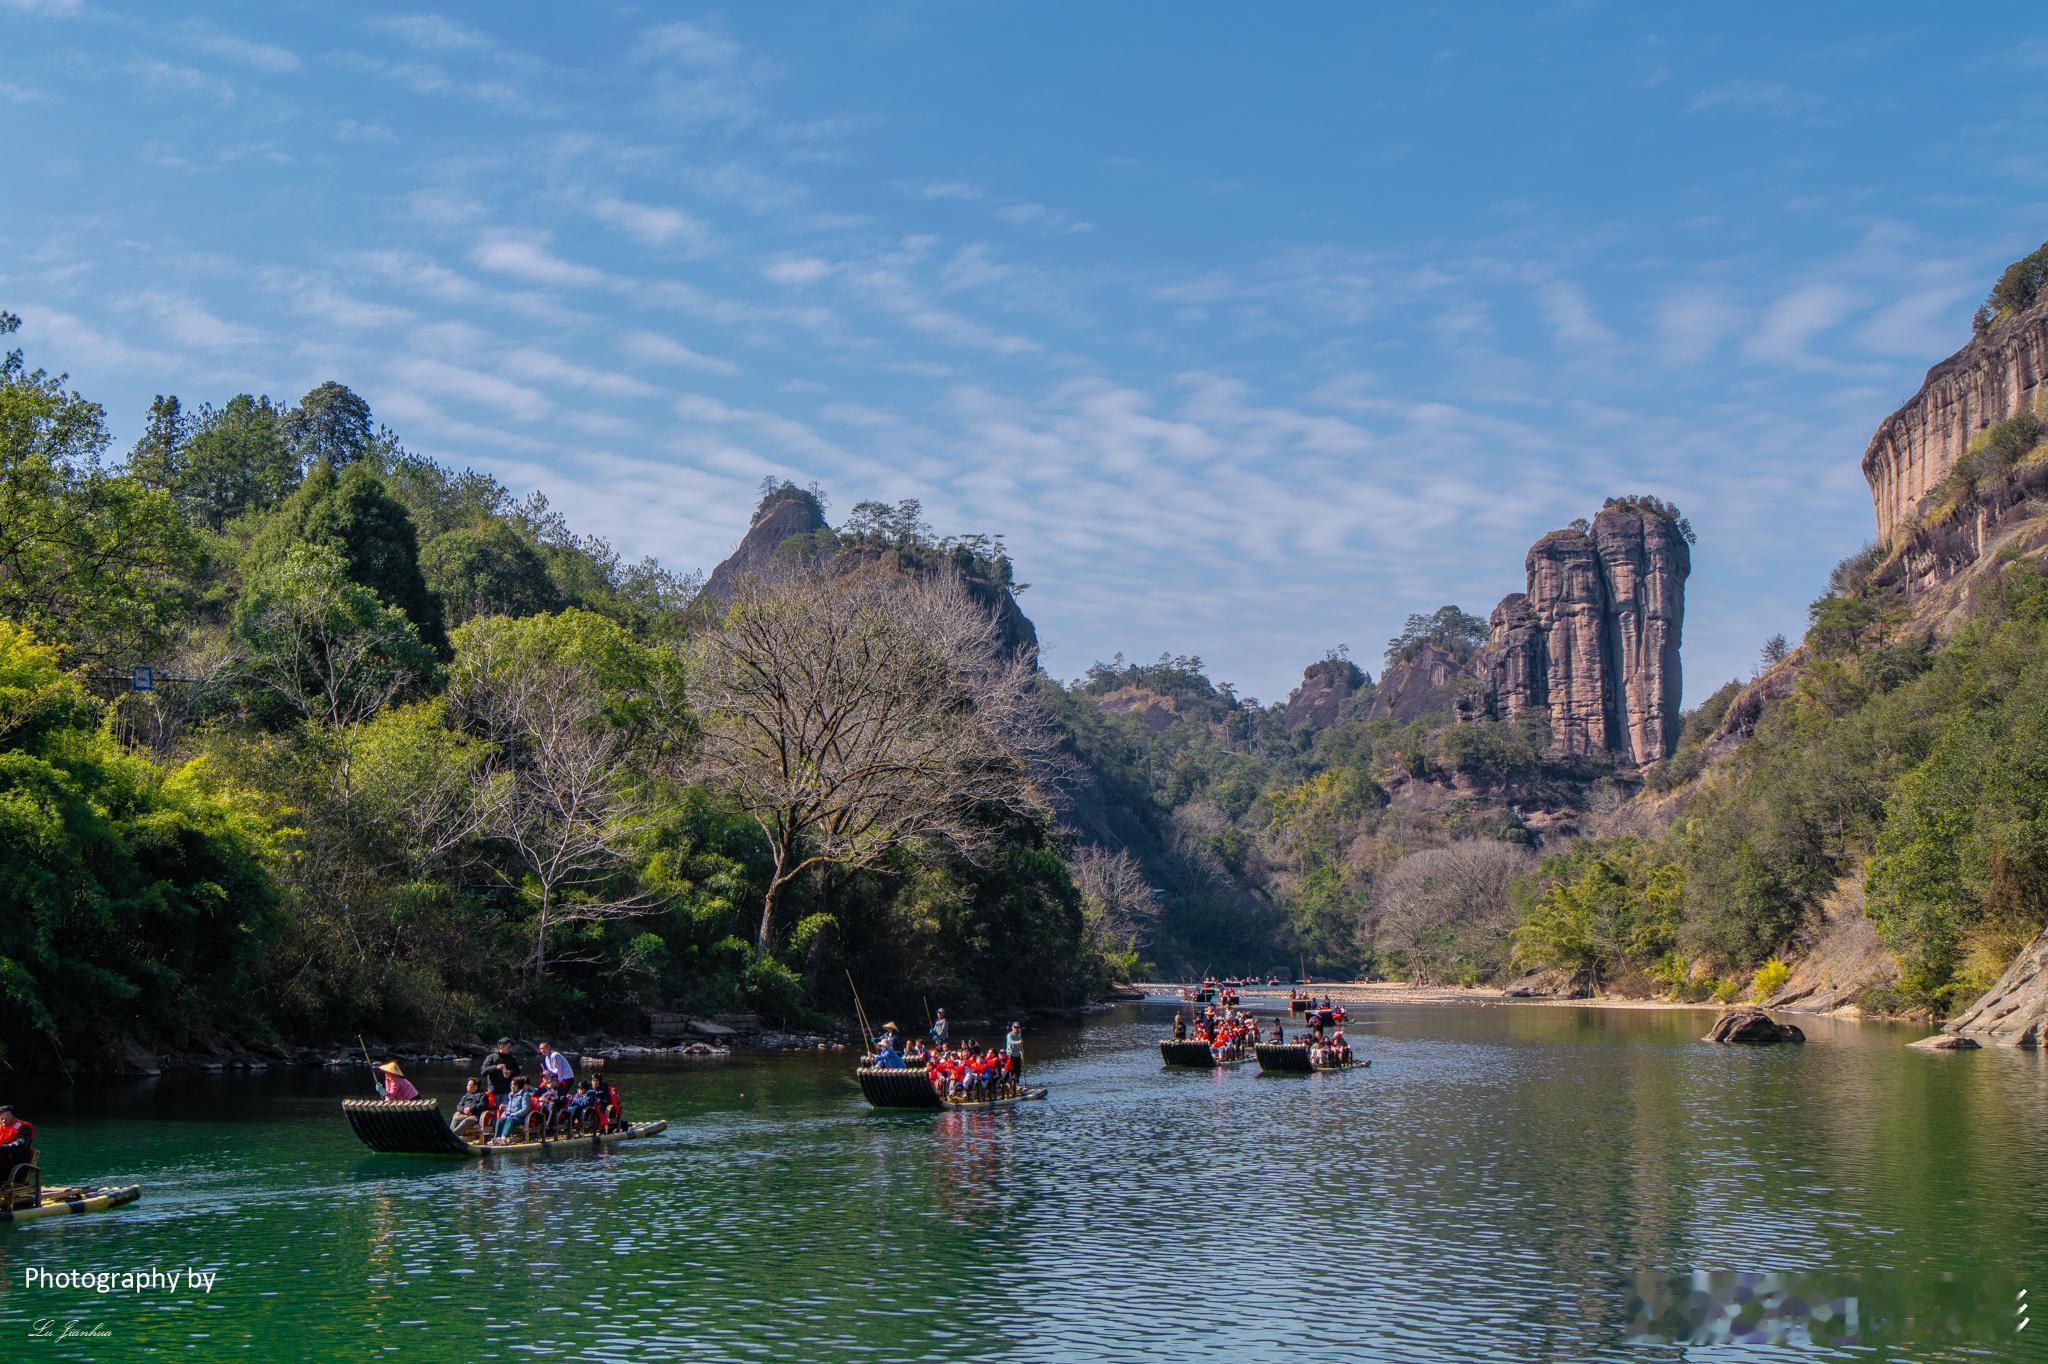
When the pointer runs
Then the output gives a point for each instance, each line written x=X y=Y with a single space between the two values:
x=518 y=1103
x=886 y=1055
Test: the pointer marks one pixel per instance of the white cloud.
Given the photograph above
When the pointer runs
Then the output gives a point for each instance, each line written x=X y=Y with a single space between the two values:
x=1571 y=318
x=524 y=255
x=186 y=322
x=655 y=225
x=854 y=414
x=218 y=42
x=1796 y=319
x=64 y=340
x=654 y=349
x=443 y=208
x=173 y=78
x=433 y=33
x=1753 y=96
x=689 y=43
x=473 y=386
x=1691 y=323
x=540 y=367
x=796 y=270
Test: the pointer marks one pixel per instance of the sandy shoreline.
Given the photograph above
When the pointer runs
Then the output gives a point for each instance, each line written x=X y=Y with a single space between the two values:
x=1399 y=992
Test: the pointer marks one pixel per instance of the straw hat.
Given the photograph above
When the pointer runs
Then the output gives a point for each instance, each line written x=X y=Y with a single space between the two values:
x=391 y=1068
x=888 y=1027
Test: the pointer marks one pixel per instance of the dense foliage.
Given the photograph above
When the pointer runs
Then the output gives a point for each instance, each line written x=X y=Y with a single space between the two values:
x=424 y=761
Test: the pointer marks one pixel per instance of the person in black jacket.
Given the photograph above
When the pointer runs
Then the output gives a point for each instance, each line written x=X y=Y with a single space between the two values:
x=500 y=1068
x=468 y=1122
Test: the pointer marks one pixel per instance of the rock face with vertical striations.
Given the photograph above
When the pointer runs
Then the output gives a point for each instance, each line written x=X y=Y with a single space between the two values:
x=1569 y=601
x=779 y=521
x=1590 y=651
x=1994 y=377
x=1645 y=562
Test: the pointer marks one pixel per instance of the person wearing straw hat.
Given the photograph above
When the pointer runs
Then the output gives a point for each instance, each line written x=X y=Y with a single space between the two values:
x=886 y=1055
x=396 y=1086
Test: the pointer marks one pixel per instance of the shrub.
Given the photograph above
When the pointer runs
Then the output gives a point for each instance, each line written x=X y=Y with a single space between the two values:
x=1769 y=979
x=2016 y=290
x=1726 y=991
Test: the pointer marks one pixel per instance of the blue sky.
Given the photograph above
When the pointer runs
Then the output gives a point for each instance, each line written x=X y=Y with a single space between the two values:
x=1253 y=328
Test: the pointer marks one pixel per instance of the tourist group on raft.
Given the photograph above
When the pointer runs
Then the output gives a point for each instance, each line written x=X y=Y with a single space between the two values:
x=1229 y=1031
x=499 y=1100
x=958 y=1074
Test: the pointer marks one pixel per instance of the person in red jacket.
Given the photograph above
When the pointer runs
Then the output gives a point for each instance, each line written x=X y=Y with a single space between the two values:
x=17 y=1141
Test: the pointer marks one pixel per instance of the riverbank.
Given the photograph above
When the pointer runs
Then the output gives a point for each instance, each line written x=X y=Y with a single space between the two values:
x=1400 y=992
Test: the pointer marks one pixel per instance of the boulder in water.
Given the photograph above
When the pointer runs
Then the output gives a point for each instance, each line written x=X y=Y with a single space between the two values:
x=1750 y=1026
x=1945 y=1041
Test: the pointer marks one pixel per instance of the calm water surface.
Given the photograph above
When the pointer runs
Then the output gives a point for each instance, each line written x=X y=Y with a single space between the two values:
x=1485 y=1190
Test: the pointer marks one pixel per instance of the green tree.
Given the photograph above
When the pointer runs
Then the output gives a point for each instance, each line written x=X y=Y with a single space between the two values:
x=1599 y=909
x=92 y=560
x=319 y=646
x=487 y=569
x=331 y=425
x=235 y=461
x=136 y=898
x=2016 y=289
x=353 y=514
x=1456 y=632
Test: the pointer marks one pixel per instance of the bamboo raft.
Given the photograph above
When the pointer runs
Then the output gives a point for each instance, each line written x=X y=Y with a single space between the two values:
x=414 y=1127
x=1290 y=1058
x=67 y=1202
x=1197 y=1054
x=901 y=1087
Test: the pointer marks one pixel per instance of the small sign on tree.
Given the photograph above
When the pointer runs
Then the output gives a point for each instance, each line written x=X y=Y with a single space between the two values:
x=143 y=678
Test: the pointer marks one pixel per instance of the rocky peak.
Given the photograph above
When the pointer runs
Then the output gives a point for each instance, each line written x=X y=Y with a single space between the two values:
x=1591 y=648
x=1992 y=378
x=1325 y=687
x=778 y=521
x=1417 y=683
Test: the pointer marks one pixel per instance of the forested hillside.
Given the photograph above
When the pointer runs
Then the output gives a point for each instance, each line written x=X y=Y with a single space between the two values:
x=421 y=760
x=1865 y=823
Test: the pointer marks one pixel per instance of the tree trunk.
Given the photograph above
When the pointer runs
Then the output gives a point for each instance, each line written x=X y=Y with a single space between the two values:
x=764 y=941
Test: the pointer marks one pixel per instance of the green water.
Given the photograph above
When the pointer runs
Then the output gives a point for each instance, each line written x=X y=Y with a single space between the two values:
x=1485 y=1190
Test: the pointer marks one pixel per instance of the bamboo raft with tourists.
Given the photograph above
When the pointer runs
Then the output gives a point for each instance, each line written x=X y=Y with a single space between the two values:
x=23 y=1195
x=1198 y=1054
x=1300 y=1058
x=31 y=1200
x=942 y=1076
x=414 y=1127
x=497 y=1114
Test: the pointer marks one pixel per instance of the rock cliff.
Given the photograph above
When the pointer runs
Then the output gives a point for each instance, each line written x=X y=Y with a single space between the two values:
x=1412 y=687
x=1324 y=689
x=2013 y=1012
x=1592 y=647
x=777 y=522
x=1995 y=376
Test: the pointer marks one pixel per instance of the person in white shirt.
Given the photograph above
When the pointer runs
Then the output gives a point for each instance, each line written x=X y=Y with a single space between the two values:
x=555 y=1065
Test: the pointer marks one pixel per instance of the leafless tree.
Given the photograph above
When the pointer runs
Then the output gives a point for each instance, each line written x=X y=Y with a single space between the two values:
x=855 y=712
x=569 y=799
x=1117 y=894
x=1446 y=911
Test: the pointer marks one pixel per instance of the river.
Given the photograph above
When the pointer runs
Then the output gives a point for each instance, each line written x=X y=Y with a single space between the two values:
x=1489 y=1188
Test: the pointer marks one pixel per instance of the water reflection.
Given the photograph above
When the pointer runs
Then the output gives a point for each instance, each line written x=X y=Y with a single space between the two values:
x=1493 y=1185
